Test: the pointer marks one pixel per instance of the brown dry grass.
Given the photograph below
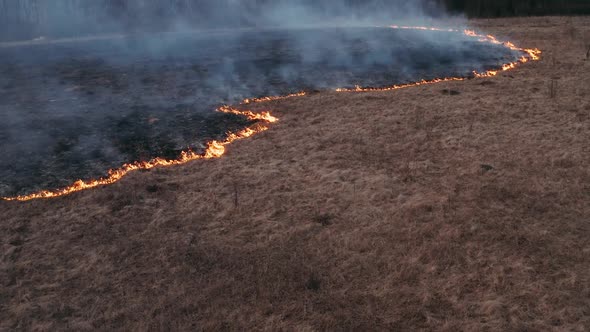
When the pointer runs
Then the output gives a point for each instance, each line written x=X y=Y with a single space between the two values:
x=399 y=210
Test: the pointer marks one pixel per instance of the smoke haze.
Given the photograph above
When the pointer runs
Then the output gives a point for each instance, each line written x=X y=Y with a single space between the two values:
x=28 y=19
x=121 y=90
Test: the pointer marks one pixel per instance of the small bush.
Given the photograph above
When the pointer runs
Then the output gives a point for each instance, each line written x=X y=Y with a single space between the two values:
x=313 y=283
x=323 y=219
x=152 y=188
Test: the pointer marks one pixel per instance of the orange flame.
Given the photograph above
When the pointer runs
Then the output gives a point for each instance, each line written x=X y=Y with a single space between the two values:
x=533 y=54
x=264 y=116
x=216 y=149
x=272 y=98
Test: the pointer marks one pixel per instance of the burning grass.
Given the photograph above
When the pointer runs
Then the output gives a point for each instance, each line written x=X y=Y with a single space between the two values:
x=216 y=149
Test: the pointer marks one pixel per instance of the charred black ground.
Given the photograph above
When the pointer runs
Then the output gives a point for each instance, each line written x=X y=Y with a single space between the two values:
x=74 y=109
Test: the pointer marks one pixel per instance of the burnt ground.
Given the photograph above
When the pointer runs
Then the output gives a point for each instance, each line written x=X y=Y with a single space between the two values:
x=77 y=108
x=415 y=209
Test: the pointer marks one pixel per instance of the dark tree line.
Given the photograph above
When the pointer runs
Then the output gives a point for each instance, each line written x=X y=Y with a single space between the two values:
x=502 y=8
x=37 y=10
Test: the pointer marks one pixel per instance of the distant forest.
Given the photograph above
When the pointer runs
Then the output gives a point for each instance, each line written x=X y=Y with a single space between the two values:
x=25 y=19
x=503 y=8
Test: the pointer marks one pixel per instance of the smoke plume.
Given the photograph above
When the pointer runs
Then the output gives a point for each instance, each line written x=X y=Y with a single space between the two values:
x=108 y=82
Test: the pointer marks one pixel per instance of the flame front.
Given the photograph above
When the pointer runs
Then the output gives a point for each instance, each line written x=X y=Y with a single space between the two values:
x=264 y=116
x=272 y=98
x=216 y=149
x=533 y=54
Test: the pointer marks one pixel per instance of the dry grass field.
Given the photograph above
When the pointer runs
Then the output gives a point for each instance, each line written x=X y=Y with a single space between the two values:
x=404 y=210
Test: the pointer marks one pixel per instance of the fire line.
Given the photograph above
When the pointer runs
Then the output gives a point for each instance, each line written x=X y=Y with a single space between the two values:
x=216 y=149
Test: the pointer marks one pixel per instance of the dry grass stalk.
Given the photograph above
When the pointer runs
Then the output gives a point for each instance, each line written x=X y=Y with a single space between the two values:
x=236 y=195
x=553 y=89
